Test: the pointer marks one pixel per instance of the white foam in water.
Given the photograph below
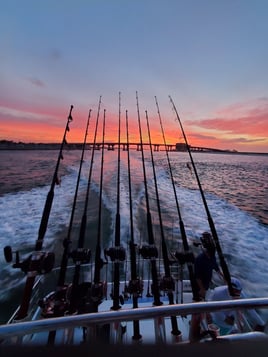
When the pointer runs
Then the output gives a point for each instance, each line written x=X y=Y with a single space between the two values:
x=243 y=239
x=241 y=236
x=21 y=213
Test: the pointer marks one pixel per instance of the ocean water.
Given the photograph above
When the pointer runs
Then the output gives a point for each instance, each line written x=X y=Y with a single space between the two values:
x=235 y=188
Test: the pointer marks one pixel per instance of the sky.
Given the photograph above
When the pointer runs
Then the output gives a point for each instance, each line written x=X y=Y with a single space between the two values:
x=209 y=56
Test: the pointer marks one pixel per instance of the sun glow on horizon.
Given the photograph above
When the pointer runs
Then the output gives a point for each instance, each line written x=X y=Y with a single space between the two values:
x=227 y=134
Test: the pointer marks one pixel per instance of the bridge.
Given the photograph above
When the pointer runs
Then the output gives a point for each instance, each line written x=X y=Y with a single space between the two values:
x=134 y=145
x=9 y=145
x=156 y=147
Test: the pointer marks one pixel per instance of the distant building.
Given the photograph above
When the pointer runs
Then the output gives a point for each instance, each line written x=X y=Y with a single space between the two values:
x=181 y=147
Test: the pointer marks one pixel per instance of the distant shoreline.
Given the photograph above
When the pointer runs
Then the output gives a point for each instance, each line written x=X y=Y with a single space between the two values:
x=10 y=145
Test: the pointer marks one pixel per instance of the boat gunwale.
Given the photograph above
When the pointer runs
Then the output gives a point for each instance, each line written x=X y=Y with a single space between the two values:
x=142 y=313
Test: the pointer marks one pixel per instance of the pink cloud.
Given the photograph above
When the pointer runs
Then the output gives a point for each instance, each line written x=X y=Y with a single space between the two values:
x=239 y=119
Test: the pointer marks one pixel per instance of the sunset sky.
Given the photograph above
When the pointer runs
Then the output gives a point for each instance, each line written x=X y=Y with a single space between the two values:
x=210 y=56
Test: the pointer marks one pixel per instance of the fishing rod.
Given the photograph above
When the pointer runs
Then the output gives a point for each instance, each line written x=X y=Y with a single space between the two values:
x=38 y=262
x=50 y=196
x=167 y=283
x=89 y=295
x=117 y=253
x=67 y=241
x=188 y=256
x=149 y=251
x=223 y=264
x=82 y=255
x=97 y=288
x=135 y=286
x=57 y=304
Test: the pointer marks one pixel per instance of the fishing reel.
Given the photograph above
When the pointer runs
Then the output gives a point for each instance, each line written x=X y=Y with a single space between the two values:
x=148 y=252
x=167 y=283
x=98 y=291
x=116 y=253
x=39 y=262
x=81 y=255
x=87 y=296
x=135 y=286
x=183 y=257
x=56 y=303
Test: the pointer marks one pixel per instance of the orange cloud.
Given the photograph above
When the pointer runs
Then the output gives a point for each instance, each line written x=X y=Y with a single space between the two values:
x=33 y=126
x=238 y=125
x=255 y=124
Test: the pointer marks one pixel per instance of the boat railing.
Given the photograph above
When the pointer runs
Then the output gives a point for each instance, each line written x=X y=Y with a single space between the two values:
x=16 y=331
x=45 y=284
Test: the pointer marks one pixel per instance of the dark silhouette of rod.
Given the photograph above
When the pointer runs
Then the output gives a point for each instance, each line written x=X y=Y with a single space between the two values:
x=97 y=287
x=36 y=256
x=50 y=196
x=116 y=279
x=223 y=264
x=168 y=281
x=152 y=248
x=188 y=257
x=82 y=232
x=59 y=310
x=95 y=290
x=67 y=241
x=98 y=260
x=135 y=281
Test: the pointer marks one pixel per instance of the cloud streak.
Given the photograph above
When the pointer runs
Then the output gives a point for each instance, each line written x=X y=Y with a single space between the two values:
x=26 y=117
x=238 y=120
x=36 y=82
